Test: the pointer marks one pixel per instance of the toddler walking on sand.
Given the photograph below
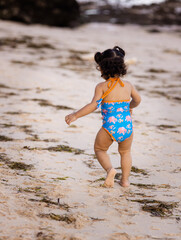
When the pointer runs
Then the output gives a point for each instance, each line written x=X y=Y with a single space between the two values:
x=117 y=99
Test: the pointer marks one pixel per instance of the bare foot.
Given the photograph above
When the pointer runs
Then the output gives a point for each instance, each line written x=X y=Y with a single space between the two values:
x=124 y=183
x=109 y=182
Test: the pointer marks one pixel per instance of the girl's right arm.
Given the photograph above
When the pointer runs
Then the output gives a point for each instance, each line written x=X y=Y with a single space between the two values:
x=136 y=99
x=90 y=107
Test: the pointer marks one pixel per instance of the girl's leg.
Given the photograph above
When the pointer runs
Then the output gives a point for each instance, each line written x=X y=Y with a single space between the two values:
x=124 y=149
x=102 y=143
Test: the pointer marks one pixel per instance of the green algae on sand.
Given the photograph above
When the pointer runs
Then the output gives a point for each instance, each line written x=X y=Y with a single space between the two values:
x=15 y=165
x=65 y=217
x=20 y=166
x=58 y=148
x=64 y=148
x=48 y=201
x=42 y=236
x=138 y=170
x=157 y=208
x=145 y=186
x=160 y=209
x=60 y=178
x=99 y=179
x=30 y=189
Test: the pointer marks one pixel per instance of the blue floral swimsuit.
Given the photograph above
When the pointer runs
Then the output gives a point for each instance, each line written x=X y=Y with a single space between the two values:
x=116 y=116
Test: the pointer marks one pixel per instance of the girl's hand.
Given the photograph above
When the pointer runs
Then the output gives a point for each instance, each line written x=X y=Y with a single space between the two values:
x=131 y=111
x=70 y=118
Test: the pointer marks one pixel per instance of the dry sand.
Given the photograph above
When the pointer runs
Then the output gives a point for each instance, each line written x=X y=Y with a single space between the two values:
x=58 y=195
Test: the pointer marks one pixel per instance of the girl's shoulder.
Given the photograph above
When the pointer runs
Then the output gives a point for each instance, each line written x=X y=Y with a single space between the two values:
x=101 y=85
x=127 y=84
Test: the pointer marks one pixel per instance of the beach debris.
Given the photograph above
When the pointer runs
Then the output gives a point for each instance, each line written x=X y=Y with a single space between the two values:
x=154 y=70
x=46 y=103
x=151 y=186
x=172 y=51
x=74 y=51
x=60 y=178
x=99 y=179
x=15 y=165
x=49 y=140
x=25 y=128
x=138 y=170
x=165 y=126
x=166 y=95
x=78 y=220
x=7 y=94
x=20 y=166
x=40 y=45
x=157 y=208
x=145 y=186
x=90 y=163
x=47 y=200
x=5 y=139
x=153 y=30
x=65 y=148
x=97 y=219
x=79 y=61
x=177 y=170
x=142 y=194
x=177 y=98
x=13 y=42
x=118 y=176
x=58 y=148
x=4 y=158
x=161 y=209
x=3 y=86
x=23 y=63
x=14 y=113
x=30 y=189
x=29 y=41
x=68 y=218
x=72 y=126
x=43 y=236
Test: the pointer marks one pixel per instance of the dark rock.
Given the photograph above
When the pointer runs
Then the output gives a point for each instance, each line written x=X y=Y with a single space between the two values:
x=55 y=12
x=166 y=13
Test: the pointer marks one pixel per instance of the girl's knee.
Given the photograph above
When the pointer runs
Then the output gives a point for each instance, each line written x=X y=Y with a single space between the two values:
x=98 y=148
x=124 y=152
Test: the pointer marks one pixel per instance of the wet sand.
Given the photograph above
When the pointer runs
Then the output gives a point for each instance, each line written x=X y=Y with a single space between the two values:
x=51 y=183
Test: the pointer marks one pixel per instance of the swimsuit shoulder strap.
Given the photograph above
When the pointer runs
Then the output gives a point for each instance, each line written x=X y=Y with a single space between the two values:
x=111 y=86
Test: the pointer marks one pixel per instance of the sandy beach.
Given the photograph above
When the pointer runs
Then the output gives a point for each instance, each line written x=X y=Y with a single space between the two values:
x=51 y=183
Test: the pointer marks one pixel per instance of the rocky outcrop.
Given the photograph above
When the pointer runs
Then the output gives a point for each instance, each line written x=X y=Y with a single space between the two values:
x=50 y=12
x=166 y=13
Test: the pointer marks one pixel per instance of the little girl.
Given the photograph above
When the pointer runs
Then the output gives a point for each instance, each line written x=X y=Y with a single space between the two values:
x=113 y=94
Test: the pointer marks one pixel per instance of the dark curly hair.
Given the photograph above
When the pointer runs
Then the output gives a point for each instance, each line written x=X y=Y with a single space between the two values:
x=111 y=62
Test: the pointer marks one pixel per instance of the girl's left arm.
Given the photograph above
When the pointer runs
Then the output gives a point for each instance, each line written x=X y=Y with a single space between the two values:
x=90 y=107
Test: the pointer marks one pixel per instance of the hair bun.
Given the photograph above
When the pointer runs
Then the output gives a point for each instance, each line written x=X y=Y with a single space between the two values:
x=120 y=50
x=98 y=57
